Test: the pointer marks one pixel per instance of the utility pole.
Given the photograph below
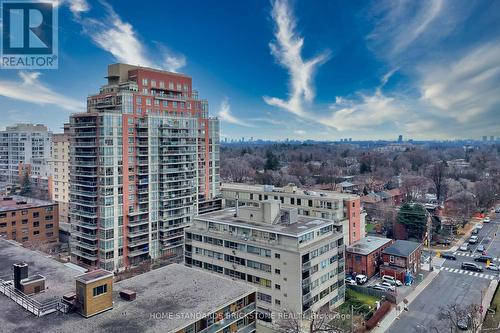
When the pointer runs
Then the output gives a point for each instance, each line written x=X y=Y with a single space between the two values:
x=429 y=233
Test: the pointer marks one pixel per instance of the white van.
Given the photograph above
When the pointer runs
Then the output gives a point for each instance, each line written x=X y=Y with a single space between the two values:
x=392 y=280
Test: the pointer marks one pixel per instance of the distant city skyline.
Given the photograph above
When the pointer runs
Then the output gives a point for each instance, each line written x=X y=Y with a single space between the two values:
x=425 y=70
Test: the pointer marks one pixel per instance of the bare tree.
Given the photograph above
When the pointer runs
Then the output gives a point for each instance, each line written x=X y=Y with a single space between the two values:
x=460 y=316
x=437 y=173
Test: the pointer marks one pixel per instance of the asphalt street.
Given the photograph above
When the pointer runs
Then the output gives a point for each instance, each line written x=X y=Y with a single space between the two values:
x=452 y=285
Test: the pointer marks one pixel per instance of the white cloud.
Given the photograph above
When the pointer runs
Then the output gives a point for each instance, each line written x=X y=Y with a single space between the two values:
x=404 y=23
x=226 y=115
x=119 y=38
x=30 y=89
x=465 y=88
x=78 y=6
x=370 y=111
x=287 y=49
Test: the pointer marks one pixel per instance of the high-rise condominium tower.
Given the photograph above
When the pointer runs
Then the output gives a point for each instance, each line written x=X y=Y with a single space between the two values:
x=24 y=149
x=144 y=160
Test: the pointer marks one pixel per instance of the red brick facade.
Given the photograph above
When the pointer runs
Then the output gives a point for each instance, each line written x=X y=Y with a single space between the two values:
x=364 y=264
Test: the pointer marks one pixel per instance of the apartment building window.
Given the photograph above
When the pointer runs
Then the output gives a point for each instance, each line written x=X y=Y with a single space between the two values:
x=36 y=214
x=277 y=255
x=36 y=224
x=25 y=221
x=310 y=203
x=148 y=101
x=277 y=286
x=277 y=302
x=138 y=100
x=99 y=290
x=36 y=232
x=48 y=217
x=264 y=297
x=153 y=83
x=49 y=226
x=391 y=259
x=165 y=104
x=3 y=225
x=299 y=202
x=277 y=271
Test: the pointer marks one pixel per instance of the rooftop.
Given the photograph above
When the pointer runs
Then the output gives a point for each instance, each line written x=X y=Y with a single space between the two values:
x=367 y=245
x=60 y=279
x=181 y=295
x=288 y=190
x=94 y=275
x=303 y=224
x=16 y=202
x=402 y=248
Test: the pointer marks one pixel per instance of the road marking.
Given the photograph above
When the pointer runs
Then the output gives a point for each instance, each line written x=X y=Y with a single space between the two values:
x=461 y=271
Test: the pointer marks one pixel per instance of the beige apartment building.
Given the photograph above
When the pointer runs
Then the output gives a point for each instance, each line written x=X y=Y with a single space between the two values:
x=59 y=176
x=343 y=208
x=296 y=262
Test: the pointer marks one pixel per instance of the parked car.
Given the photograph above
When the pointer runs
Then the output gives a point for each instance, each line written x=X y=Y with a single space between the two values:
x=475 y=231
x=361 y=279
x=463 y=323
x=388 y=286
x=464 y=247
x=497 y=210
x=493 y=267
x=350 y=280
x=470 y=266
x=473 y=239
x=479 y=226
x=379 y=287
x=392 y=280
x=448 y=256
x=486 y=220
x=480 y=248
x=483 y=259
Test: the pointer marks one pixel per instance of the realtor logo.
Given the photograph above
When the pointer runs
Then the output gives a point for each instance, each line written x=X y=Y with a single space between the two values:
x=29 y=35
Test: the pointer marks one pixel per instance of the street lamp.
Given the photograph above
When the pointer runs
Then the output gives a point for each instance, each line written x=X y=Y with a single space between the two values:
x=352 y=313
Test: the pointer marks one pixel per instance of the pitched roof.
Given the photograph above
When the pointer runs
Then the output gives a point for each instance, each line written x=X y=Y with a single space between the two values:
x=402 y=248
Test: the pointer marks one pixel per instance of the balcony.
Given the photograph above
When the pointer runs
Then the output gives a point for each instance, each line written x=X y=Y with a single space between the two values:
x=138 y=242
x=138 y=252
x=84 y=245
x=136 y=233
x=83 y=254
x=234 y=317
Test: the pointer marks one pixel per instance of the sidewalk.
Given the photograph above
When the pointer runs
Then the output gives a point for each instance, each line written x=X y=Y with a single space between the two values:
x=385 y=323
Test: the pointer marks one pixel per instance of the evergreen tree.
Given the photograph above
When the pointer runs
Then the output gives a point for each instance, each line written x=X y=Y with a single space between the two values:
x=414 y=217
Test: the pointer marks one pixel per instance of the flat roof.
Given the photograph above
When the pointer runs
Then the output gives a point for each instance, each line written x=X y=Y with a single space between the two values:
x=59 y=279
x=94 y=276
x=367 y=245
x=12 y=202
x=303 y=224
x=402 y=248
x=300 y=191
x=168 y=299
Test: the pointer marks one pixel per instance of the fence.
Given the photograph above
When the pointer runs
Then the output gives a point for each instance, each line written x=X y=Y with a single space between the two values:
x=378 y=315
x=37 y=308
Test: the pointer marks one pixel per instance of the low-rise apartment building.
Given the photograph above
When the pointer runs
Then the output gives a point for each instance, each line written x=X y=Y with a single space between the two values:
x=336 y=206
x=296 y=262
x=365 y=256
x=401 y=260
x=29 y=221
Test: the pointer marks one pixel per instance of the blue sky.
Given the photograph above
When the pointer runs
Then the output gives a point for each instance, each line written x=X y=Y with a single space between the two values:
x=286 y=69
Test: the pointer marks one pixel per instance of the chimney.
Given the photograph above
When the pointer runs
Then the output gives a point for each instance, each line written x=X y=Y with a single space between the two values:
x=20 y=272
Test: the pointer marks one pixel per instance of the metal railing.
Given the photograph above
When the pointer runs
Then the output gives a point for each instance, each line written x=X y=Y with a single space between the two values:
x=37 y=308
